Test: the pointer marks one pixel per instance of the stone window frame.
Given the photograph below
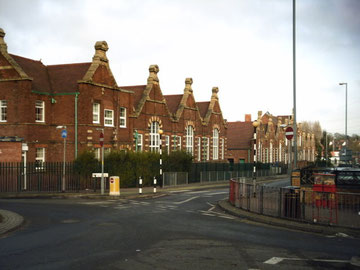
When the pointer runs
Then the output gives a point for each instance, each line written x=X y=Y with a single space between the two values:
x=96 y=114
x=167 y=143
x=40 y=154
x=39 y=111
x=108 y=118
x=3 y=110
x=122 y=117
x=190 y=139
x=216 y=144
x=222 y=148
x=140 y=146
x=199 y=148
x=154 y=135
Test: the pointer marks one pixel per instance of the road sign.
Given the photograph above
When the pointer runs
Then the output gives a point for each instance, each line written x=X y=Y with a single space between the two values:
x=101 y=139
x=64 y=133
x=289 y=133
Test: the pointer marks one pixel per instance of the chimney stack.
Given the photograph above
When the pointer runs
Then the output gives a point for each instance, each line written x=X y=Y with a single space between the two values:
x=247 y=117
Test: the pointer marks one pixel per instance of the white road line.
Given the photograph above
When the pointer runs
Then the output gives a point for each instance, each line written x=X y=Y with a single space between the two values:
x=197 y=192
x=217 y=193
x=276 y=260
x=178 y=191
x=187 y=200
x=226 y=217
x=207 y=214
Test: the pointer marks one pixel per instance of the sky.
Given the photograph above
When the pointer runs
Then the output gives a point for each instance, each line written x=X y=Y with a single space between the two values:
x=244 y=47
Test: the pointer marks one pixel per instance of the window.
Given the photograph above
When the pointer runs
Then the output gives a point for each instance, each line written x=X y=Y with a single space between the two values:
x=190 y=140
x=96 y=113
x=199 y=149
x=140 y=142
x=177 y=143
x=206 y=148
x=40 y=158
x=167 y=144
x=97 y=152
x=39 y=111
x=122 y=117
x=222 y=148
x=108 y=118
x=215 y=144
x=3 y=110
x=154 y=137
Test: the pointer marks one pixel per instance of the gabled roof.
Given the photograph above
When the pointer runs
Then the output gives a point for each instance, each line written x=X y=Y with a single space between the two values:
x=138 y=92
x=239 y=135
x=36 y=70
x=53 y=78
x=173 y=102
x=203 y=107
x=64 y=78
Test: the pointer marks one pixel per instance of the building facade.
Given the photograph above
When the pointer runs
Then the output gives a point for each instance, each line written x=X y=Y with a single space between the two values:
x=263 y=140
x=39 y=101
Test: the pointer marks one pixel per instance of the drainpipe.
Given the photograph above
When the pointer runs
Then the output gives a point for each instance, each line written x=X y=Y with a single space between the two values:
x=76 y=125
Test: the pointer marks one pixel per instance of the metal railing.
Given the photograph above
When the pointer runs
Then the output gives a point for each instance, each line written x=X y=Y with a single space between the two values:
x=338 y=208
x=175 y=179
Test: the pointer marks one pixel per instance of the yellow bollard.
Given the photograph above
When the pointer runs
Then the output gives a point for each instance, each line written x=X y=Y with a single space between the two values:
x=114 y=186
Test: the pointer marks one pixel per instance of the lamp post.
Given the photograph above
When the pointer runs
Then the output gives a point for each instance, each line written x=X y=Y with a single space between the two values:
x=294 y=83
x=63 y=135
x=346 y=139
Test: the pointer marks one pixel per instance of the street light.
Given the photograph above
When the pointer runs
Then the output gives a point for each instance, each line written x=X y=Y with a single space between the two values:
x=345 y=111
x=64 y=135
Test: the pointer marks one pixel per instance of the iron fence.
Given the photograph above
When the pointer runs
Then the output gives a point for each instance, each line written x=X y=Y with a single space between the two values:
x=338 y=208
x=44 y=177
x=175 y=179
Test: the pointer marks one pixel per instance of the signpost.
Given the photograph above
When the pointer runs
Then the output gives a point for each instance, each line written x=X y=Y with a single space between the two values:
x=289 y=134
x=102 y=162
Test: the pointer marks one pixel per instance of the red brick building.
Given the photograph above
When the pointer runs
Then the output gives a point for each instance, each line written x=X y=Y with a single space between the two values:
x=268 y=134
x=38 y=101
x=241 y=141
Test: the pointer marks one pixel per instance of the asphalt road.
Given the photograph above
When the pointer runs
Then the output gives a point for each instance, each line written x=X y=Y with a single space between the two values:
x=181 y=231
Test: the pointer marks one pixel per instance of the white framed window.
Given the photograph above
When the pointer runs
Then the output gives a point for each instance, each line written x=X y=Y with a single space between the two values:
x=96 y=113
x=3 y=110
x=40 y=158
x=107 y=151
x=122 y=119
x=154 y=137
x=167 y=144
x=207 y=148
x=97 y=152
x=140 y=142
x=190 y=140
x=199 y=148
x=177 y=143
x=222 y=148
x=215 y=144
x=108 y=118
x=39 y=111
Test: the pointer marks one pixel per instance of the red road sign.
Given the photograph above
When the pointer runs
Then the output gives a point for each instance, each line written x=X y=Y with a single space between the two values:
x=289 y=133
x=101 y=139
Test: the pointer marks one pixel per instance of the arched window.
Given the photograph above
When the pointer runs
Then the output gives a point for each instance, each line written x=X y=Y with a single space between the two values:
x=154 y=137
x=215 y=144
x=190 y=140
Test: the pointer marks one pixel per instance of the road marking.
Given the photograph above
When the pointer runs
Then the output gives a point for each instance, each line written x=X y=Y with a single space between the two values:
x=197 y=192
x=178 y=191
x=226 y=217
x=276 y=260
x=187 y=200
x=217 y=193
